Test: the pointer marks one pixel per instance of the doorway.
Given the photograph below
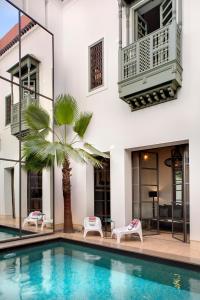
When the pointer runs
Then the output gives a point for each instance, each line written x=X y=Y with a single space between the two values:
x=102 y=192
x=34 y=190
x=161 y=190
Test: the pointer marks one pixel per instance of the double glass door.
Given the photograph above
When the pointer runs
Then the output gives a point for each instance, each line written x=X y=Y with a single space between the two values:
x=146 y=190
x=180 y=200
x=171 y=215
x=102 y=192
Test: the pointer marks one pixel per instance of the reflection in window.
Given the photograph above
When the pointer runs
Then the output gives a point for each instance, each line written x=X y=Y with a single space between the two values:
x=10 y=37
x=8 y=103
x=29 y=76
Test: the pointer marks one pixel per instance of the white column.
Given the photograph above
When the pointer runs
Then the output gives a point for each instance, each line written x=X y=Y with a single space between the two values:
x=121 y=199
x=47 y=193
x=78 y=193
x=23 y=193
x=194 y=156
x=90 y=190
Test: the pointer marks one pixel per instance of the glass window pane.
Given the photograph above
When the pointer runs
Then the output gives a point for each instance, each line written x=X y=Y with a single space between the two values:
x=9 y=200
x=149 y=177
x=36 y=60
x=9 y=121
x=9 y=39
x=148 y=160
x=37 y=190
x=37 y=202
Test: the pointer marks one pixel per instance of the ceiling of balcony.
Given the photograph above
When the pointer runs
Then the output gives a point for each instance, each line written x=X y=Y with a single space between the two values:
x=129 y=1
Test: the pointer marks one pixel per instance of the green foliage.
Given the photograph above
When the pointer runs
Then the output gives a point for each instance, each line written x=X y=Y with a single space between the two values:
x=82 y=123
x=95 y=151
x=40 y=152
x=65 y=110
x=36 y=117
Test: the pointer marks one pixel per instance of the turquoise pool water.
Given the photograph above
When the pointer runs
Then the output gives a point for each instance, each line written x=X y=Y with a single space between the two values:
x=7 y=233
x=66 y=271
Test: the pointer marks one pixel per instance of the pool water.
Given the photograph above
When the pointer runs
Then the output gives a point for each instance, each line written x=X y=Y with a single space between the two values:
x=7 y=233
x=62 y=270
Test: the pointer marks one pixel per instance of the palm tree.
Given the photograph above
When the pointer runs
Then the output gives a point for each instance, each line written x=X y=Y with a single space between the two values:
x=68 y=131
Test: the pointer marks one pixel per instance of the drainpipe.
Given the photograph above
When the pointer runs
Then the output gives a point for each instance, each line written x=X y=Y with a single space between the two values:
x=46 y=12
x=180 y=12
x=120 y=39
x=127 y=25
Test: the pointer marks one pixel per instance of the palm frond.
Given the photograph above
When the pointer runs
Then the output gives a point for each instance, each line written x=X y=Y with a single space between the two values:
x=35 y=164
x=73 y=153
x=82 y=123
x=36 y=117
x=65 y=110
x=95 y=151
x=88 y=158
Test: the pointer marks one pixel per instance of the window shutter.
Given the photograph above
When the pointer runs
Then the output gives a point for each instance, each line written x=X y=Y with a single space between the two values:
x=166 y=12
x=8 y=105
x=141 y=26
x=96 y=65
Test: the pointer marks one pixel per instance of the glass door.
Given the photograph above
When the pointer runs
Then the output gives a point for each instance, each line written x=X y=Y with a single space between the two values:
x=180 y=201
x=34 y=192
x=149 y=192
x=102 y=193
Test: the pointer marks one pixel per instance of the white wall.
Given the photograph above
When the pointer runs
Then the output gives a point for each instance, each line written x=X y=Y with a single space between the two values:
x=113 y=125
x=38 y=43
x=84 y=23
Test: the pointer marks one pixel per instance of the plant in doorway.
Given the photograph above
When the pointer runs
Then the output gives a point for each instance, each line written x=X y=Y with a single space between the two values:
x=40 y=151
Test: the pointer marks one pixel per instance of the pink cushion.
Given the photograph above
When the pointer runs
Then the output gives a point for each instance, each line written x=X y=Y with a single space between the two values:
x=92 y=221
x=36 y=213
x=133 y=224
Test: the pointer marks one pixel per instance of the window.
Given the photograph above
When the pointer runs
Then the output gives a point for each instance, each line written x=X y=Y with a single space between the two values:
x=152 y=16
x=34 y=190
x=29 y=76
x=102 y=191
x=96 y=65
x=8 y=110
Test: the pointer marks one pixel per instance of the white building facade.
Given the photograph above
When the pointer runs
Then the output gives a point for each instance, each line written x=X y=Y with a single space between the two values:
x=133 y=129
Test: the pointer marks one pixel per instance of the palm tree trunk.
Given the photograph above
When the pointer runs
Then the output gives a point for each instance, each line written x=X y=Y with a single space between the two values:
x=66 y=170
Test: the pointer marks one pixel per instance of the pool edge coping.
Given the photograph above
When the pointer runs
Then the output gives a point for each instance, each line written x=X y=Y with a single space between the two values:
x=131 y=253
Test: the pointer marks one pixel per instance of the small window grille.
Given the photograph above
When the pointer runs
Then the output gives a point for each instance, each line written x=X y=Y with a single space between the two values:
x=96 y=65
x=8 y=105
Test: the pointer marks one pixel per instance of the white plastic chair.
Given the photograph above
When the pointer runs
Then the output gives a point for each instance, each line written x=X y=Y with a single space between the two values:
x=92 y=224
x=119 y=232
x=34 y=217
x=46 y=222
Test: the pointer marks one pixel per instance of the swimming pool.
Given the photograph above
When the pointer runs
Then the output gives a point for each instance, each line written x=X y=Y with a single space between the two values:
x=8 y=233
x=63 y=270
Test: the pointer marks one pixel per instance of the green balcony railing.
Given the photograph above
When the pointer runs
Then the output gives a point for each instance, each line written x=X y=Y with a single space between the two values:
x=15 y=128
x=152 y=61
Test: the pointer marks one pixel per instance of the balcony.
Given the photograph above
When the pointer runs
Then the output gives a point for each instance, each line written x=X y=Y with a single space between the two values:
x=151 y=69
x=15 y=116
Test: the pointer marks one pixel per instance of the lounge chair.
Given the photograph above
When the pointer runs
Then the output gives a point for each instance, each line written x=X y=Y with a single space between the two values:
x=46 y=222
x=34 y=217
x=134 y=227
x=92 y=224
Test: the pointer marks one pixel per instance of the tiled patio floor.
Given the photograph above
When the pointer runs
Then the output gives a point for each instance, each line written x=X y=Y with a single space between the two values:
x=14 y=223
x=162 y=246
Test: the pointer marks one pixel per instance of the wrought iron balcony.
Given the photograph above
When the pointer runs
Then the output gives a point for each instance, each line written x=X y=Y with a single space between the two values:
x=15 y=128
x=151 y=69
